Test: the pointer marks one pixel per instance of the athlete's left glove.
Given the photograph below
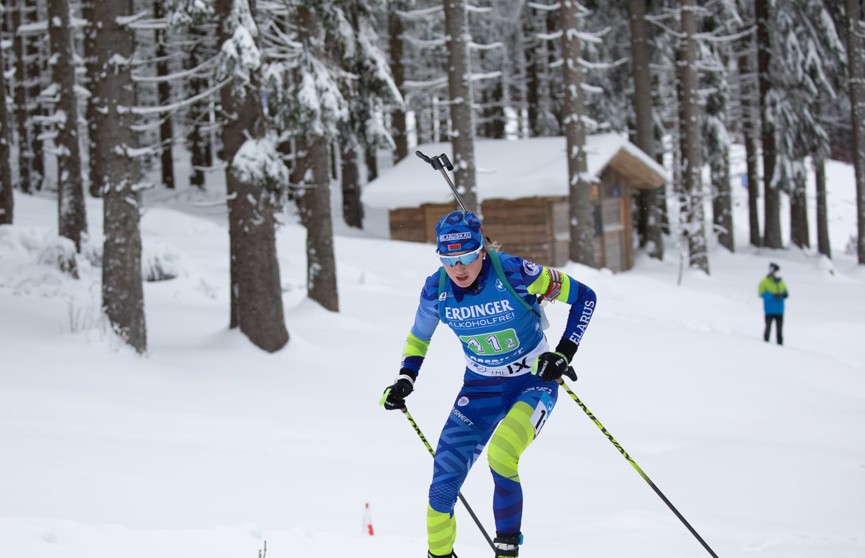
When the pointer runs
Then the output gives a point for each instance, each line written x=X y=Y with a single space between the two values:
x=395 y=394
x=550 y=367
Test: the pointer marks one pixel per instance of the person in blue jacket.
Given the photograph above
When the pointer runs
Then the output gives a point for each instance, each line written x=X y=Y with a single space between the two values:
x=773 y=290
x=491 y=302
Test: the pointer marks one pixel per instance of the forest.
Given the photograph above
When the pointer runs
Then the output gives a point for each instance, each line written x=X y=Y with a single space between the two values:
x=289 y=99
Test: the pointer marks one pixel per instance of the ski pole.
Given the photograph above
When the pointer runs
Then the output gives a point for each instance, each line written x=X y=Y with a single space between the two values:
x=440 y=163
x=460 y=494
x=635 y=466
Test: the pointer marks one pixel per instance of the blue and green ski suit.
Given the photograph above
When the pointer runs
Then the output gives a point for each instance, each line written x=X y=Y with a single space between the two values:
x=500 y=402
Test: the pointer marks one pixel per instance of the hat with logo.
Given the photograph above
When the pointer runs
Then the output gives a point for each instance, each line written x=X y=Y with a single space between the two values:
x=458 y=231
x=773 y=267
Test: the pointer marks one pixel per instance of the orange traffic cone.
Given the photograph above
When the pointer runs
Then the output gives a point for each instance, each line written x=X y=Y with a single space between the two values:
x=367 y=520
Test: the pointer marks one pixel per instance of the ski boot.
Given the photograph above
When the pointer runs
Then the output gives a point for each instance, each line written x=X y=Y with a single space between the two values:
x=508 y=546
x=431 y=555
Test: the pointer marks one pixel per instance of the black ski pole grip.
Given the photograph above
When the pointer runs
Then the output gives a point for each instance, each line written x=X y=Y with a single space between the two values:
x=433 y=161
x=446 y=162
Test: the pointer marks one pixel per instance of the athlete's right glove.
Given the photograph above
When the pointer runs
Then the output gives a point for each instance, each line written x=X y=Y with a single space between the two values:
x=395 y=394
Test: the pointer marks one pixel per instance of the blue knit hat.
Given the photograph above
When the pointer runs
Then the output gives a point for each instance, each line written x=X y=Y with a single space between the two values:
x=459 y=232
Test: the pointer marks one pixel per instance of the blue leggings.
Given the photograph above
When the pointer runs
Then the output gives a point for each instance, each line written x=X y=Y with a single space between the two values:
x=506 y=412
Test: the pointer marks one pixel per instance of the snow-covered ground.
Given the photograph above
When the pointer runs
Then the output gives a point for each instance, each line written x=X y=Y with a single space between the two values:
x=208 y=447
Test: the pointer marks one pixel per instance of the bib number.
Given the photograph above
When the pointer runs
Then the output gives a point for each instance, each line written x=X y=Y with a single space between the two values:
x=539 y=417
x=494 y=343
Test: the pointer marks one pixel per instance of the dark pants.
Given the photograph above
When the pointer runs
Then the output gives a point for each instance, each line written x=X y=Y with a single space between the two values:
x=779 y=327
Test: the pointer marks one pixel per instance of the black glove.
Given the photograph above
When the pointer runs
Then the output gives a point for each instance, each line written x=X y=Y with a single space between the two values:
x=778 y=296
x=551 y=366
x=395 y=394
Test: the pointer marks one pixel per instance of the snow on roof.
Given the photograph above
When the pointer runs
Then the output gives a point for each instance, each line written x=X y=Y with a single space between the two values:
x=506 y=169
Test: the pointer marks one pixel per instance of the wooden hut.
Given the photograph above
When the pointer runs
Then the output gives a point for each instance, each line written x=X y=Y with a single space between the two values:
x=522 y=188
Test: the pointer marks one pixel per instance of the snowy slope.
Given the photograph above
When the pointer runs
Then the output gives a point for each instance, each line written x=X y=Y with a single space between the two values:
x=209 y=447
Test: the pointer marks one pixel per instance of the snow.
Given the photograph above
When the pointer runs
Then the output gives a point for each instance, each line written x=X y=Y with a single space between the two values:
x=209 y=447
x=240 y=56
x=375 y=58
x=240 y=53
x=505 y=170
x=322 y=103
x=258 y=162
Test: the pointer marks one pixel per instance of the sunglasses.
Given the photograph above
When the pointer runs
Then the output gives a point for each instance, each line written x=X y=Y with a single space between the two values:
x=465 y=259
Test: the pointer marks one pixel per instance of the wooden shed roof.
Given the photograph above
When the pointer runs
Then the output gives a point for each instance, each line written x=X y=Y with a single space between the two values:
x=511 y=169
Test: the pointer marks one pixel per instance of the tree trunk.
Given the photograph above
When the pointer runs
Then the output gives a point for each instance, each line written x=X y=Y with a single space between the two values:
x=749 y=103
x=516 y=83
x=94 y=119
x=856 y=65
x=7 y=201
x=397 y=68
x=31 y=112
x=72 y=218
x=423 y=122
x=256 y=291
x=197 y=155
x=321 y=262
x=698 y=256
x=663 y=211
x=301 y=165
x=25 y=149
x=122 y=291
x=500 y=117
x=547 y=117
x=648 y=212
x=722 y=202
x=555 y=92
x=582 y=222
x=163 y=93
x=352 y=209
x=315 y=203
x=532 y=77
x=716 y=142
x=799 y=234
x=823 y=245
x=197 y=141
x=494 y=113
x=371 y=160
x=460 y=91
x=332 y=156
x=772 y=192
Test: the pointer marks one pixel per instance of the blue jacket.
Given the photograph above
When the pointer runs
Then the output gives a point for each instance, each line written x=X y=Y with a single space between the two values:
x=495 y=329
x=774 y=291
